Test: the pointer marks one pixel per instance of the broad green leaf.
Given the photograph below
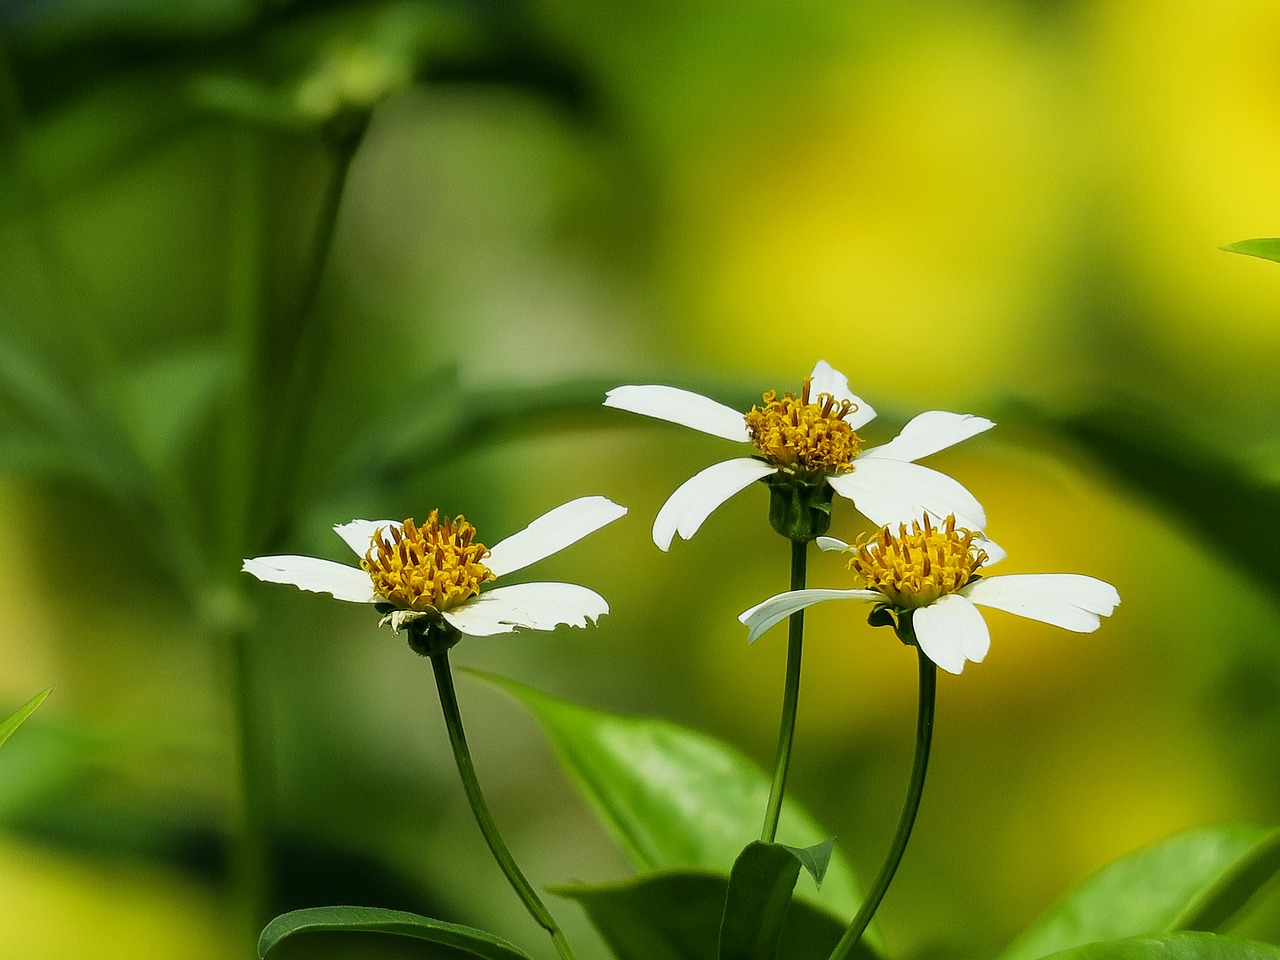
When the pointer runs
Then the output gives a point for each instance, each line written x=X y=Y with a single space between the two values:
x=1193 y=876
x=759 y=897
x=676 y=915
x=1174 y=946
x=672 y=797
x=26 y=710
x=477 y=943
x=1267 y=248
x=1234 y=887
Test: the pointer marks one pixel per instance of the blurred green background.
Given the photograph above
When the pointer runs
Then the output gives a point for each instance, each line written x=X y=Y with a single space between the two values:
x=1010 y=207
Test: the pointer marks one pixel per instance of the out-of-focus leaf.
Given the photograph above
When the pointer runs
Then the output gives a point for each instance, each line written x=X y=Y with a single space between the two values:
x=26 y=710
x=676 y=915
x=759 y=896
x=171 y=398
x=673 y=797
x=1175 y=946
x=398 y=923
x=1191 y=877
x=1232 y=890
x=1267 y=248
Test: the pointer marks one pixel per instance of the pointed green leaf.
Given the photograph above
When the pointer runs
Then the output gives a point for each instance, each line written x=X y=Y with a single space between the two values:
x=26 y=710
x=673 y=797
x=676 y=915
x=477 y=943
x=1267 y=248
x=759 y=897
x=1183 y=879
x=1174 y=946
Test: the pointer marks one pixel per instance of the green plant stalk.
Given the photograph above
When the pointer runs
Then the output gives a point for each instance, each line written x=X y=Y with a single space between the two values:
x=924 y=737
x=790 y=698
x=466 y=771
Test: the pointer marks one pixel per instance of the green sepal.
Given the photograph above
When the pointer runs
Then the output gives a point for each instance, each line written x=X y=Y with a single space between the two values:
x=799 y=509
x=427 y=638
x=881 y=615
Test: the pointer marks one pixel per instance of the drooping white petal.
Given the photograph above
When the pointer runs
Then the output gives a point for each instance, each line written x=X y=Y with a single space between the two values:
x=826 y=379
x=831 y=544
x=893 y=491
x=950 y=631
x=551 y=533
x=358 y=534
x=773 y=611
x=681 y=406
x=928 y=433
x=697 y=497
x=1068 y=600
x=319 y=576
x=538 y=606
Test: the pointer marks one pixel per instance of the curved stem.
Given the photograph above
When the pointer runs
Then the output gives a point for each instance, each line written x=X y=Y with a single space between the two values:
x=462 y=754
x=790 y=698
x=924 y=736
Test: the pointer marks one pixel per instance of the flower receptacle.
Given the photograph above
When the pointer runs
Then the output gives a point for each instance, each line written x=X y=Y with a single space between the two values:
x=800 y=510
x=430 y=637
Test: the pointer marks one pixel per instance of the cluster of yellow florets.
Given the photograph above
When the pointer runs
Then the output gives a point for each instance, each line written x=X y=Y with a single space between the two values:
x=804 y=437
x=916 y=567
x=435 y=566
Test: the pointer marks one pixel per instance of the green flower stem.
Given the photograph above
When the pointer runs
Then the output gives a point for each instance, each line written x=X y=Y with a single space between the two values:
x=461 y=753
x=790 y=698
x=924 y=736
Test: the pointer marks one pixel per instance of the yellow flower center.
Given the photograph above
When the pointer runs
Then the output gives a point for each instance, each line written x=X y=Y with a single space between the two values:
x=804 y=437
x=433 y=567
x=913 y=569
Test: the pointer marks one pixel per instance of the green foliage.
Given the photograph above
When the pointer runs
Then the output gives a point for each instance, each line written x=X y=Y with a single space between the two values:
x=1267 y=248
x=27 y=709
x=759 y=896
x=1176 y=946
x=1198 y=879
x=398 y=923
x=672 y=797
x=675 y=915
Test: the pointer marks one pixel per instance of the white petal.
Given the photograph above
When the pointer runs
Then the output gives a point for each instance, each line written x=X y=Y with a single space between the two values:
x=681 y=406
x=928 y=433
x=694 y=499
x=540 y=606
x=318 y=576
x=358 y=534
x=1068 y=600
x=551 y=533
x=773 y=611
x=831 y=543
x=893 y=491
x=951 y=631
x=995 y=553
x=826 y=379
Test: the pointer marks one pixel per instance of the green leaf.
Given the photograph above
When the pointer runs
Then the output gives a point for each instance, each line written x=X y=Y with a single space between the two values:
x=1175 y=946
x=1265 y=248
x=26 y=710
x=1191 y=878
x=477 y=943
x=672 y=797
x=676 y=915
x=759 y=896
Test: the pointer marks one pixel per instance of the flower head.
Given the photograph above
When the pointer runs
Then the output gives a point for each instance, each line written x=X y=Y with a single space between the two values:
x=436 y=572
x=927 y=577
x=808 y=444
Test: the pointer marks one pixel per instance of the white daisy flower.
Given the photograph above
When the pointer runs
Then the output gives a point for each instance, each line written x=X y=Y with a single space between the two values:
x=435 y=572
x=811 y=439
x=928 y=577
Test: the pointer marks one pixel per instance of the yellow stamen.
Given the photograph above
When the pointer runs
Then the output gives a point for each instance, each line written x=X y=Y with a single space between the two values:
x=433 y=567
x=913 y=569
x=804 y=437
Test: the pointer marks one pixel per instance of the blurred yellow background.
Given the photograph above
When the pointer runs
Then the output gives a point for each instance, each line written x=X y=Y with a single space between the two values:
x=1010 y=208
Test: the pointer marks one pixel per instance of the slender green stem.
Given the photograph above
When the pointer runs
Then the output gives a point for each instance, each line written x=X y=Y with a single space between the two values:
x=924 y=737
x=461 y=754
x=790 y=698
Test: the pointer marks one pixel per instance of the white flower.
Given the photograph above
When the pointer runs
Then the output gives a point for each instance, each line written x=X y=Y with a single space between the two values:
x=928 y=575
x=436 y=571
x=815 y=442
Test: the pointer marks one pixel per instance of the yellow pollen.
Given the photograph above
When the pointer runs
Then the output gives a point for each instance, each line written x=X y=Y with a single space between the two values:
x=913 y=569
x=802 y=436
x=433 y=567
